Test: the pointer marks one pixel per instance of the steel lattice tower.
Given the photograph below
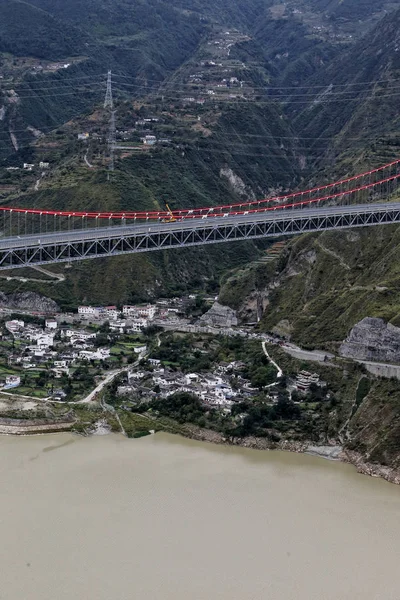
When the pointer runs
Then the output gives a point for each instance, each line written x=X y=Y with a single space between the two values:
x=108 y=101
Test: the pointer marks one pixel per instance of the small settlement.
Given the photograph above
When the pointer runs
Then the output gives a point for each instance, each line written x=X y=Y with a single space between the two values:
x=98 y=337
x=213 y=389
x=84 y=345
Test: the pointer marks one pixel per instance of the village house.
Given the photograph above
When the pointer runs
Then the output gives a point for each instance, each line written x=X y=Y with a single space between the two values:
x=304 y=379
x=111 y=312
x=99 y=354
x=155 y=362
x=59 y=372
x=14 y=326
x=60 y=364
x=138 y=324
x=192 y=378
x=78 y=335
x=37 y=351
x=147 y=311
x=180 y=390
x=135 y=376
x=149 y=140
x=89 y=311
x=120 y=326
x=12 y=381
x=140 y=349
x=44 y=340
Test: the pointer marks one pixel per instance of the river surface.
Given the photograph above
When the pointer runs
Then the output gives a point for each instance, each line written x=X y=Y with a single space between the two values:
x=164 y=518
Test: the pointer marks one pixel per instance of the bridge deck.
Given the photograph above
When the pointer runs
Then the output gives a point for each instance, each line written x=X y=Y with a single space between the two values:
x=68 y=246
x=104 y=232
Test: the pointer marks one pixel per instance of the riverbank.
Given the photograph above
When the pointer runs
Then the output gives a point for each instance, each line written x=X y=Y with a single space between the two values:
x=337 y=453
x=22 y=427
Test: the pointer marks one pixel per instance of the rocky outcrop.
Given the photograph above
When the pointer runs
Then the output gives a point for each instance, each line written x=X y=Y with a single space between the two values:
x=367 y=468
x=219 y=316
x=373 y=339
x=29 y=301
x=283 y=329
x=237 y=184
x=253 y=308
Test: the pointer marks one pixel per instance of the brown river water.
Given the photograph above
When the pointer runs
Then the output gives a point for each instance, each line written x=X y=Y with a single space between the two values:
x=165 y=518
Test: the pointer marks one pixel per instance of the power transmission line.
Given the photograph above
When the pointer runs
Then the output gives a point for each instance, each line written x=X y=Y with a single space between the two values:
x=294 y=86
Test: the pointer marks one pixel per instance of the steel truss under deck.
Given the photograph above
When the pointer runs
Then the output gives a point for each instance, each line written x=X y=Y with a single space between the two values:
x=199 y=232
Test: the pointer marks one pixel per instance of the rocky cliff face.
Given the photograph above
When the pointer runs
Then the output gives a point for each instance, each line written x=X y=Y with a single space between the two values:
x=29 y=301
x=373 y=339
x=219 y=316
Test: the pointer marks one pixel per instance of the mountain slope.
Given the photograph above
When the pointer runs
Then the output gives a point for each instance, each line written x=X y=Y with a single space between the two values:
x=207 y=172
x=356 y=95
x=29 y=31
x=323 y=284
x=146 y=43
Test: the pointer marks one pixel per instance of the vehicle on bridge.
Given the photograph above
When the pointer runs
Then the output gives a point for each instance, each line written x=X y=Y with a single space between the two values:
x=170 y=218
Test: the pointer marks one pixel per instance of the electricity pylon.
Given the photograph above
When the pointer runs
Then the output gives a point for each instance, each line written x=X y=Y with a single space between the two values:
x=108 y=101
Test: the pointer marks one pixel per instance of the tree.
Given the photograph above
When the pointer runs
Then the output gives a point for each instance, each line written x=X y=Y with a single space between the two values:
x=105 y=327
x=262 y=376
x=285 y=409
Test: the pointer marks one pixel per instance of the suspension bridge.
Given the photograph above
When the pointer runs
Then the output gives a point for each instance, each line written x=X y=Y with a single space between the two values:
x=32 y=236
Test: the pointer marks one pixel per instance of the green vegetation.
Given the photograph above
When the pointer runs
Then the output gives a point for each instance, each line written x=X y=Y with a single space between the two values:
x=316 y=416
x=375 y=428
x=323 y=285
x=283 y=127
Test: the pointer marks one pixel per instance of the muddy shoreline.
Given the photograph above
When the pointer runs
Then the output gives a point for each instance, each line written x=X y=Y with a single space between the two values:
x=337 y=453
x=38 y=427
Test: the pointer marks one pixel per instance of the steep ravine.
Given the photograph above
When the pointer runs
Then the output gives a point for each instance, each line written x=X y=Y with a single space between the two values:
x=321 y=285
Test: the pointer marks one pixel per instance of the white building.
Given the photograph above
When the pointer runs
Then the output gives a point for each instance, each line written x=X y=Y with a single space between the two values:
x=112 y=312
x=155 y=362
x=99 y=354
x=147 y=311
x=90 y=311
x=78 y=335
x=51 y=324
x=119 y=326
x=45 y=340
x=139 y=324
x=13 y=380
x=135 y=375
x=44 y=165
x=140 y=349
x=149 y=140
x=37 y=351
x=60 y=371
x=181 y=390
x=14 y=326
x=191 y=378
x=60 y=364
